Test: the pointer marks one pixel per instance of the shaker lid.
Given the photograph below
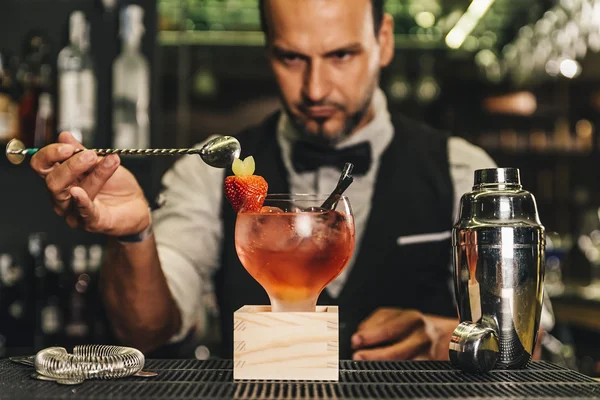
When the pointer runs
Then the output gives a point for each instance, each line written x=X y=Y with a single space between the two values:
x=499 y=200
x=497 y=176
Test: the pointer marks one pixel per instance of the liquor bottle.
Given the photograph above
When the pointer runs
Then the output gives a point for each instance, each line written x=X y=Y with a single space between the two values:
x=37 y=300
x=13 y=298
x=89 y=91
x=96 y=254
x=9 y=110
x=44 y=133
x=52 y=314
x=77 y=320
x=28 y=103
x=77 y=83
x=109 y=5
x=35 y=77
x=131 y=84
x=94 y=306
x=10 y=275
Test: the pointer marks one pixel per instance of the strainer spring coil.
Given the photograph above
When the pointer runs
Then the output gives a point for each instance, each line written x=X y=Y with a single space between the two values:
x=88 y=362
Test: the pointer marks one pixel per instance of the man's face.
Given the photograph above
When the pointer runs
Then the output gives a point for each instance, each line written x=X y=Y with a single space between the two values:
x=326 y=60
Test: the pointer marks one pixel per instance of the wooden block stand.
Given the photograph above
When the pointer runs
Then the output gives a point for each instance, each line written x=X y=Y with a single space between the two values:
x=286 y=345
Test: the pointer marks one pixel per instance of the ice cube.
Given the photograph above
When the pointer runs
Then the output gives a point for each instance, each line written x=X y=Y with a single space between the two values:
x=277 y=232
x=327 y=228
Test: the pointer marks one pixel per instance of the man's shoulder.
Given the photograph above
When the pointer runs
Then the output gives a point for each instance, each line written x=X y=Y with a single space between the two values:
x=461 y=152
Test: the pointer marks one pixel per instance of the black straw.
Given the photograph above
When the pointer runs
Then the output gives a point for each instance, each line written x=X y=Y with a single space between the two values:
x=345 y=180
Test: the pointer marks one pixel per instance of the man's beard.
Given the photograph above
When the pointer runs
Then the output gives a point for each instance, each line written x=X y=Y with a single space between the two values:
x=320 y=137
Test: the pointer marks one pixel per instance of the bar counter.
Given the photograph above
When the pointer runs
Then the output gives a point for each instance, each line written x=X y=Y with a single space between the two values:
x=213 y=379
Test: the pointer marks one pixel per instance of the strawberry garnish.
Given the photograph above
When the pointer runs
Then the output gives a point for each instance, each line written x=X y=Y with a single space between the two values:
x=244 y=189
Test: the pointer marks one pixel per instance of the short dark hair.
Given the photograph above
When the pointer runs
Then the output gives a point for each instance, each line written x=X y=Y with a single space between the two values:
x=377 y=15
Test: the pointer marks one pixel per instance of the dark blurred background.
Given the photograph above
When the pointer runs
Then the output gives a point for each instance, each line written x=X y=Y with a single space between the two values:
x=519 y=78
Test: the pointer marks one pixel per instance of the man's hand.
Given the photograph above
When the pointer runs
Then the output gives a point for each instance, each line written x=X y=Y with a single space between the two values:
x=398 y=334
x=90 y=192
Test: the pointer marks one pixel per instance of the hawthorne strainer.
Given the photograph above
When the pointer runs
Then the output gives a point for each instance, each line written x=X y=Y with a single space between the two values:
x=86 y=362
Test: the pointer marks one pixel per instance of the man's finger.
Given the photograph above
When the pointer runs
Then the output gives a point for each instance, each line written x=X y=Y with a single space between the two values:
x=49 y=157
x=414 y=345
x=86 y=208
x=391 y=330
x=377 y=317
x=93 y=183
x=63 y=176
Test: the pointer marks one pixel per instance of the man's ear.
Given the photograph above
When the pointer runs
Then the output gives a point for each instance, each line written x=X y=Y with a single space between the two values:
x=386 y=40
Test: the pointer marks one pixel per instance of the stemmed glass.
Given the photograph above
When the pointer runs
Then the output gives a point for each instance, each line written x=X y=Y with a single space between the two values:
x=294 y=248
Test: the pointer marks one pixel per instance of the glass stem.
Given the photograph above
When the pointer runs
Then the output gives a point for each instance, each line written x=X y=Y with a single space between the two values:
x=305 y=305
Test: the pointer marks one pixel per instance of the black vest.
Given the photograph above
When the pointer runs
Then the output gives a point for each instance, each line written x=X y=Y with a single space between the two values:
x=413 y=195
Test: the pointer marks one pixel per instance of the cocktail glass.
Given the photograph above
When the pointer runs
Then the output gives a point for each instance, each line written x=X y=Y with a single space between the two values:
x=293 y=248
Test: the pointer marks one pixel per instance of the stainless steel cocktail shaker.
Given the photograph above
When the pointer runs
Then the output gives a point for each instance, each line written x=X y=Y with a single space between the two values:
x=498 y=246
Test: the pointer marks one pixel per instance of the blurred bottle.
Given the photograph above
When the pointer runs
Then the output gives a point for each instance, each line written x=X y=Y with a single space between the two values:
x=77 y=319
x=35 y=77
x=10 y=275
x=37 y=302
x=28 y=104
x=94 y=305
x=77 y=83
x=557 y=248
x=96 y=256
x=52 y=316
x=109 y=5
x=15 y=325
x=44 y=132
x=131 y=84
x=563 y=140
x=589 y=244
x=584 y=136
x=9 y=109
x=538 y=141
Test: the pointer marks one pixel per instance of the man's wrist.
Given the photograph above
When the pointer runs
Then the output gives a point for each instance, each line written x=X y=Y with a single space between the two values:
x=139 y=236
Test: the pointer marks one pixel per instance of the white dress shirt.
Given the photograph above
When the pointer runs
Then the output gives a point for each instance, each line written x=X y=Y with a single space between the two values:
x=188 y=228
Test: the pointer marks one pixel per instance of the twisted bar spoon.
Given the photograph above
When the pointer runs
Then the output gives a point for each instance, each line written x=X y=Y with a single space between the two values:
x=218 y=152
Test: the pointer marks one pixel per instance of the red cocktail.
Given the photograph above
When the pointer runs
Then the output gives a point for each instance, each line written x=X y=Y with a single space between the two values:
x=293 y=248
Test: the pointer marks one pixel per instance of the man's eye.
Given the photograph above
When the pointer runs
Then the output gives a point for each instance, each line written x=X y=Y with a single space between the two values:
x=341 y=55
x=291 y=59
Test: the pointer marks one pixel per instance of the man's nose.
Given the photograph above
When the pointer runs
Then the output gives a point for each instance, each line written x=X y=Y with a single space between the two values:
x=317 y=83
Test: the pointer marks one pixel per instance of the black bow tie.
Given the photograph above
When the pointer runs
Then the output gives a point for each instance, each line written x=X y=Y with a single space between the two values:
x=307 y=157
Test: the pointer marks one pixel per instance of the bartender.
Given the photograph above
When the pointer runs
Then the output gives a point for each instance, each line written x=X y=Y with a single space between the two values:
x=163 y=266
